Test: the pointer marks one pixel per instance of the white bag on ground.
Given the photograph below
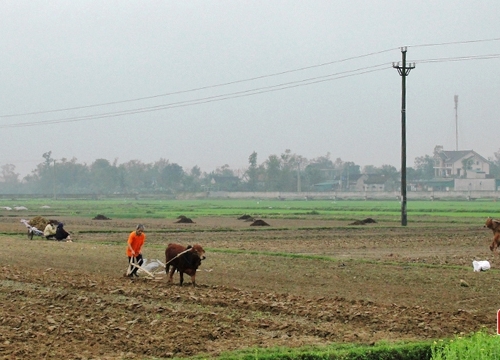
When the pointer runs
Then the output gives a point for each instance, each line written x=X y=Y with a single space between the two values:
x=481 y=265
x=151 y=266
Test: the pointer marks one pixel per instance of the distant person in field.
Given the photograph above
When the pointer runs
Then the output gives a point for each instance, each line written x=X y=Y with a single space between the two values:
x=135 y=242
x=62 y=234
x=50 y=230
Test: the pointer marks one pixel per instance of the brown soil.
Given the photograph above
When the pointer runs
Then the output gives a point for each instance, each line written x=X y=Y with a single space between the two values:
x=343 y=284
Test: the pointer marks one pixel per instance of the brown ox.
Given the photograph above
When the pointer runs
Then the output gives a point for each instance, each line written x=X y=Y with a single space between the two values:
x=494 y=225
x=184 y=260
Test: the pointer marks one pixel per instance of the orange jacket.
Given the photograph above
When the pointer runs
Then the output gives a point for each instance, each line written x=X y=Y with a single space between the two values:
x=135 y=241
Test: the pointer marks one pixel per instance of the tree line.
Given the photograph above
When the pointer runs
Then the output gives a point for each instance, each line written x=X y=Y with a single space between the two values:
x=287 y=172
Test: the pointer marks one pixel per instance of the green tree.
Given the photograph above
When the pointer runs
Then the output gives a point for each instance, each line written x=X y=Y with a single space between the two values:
x=390 y=172
x=10 y=179
x=48 y=158
x=370 y=169
x=172 y=176
x=348 y=169
x=466 y=165
x=9 y=175
x=104 y=177
x=71 y=177
x=272 y=170
x=319 y=170
x=424 y=167
x=192 y=181
x=42 y=179
x=495 y=165
x=289 y=170
x=136 y=176
x=224 y=179
x=252 y=172
x=195 y=172
x=412 y=174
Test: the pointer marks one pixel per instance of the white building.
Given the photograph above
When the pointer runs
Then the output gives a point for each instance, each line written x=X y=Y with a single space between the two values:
x=459 y=164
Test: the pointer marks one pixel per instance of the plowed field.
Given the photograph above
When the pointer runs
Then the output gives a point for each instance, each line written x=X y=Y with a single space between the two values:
x=294 y=283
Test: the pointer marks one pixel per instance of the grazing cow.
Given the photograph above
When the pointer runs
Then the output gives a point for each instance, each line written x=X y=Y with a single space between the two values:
x=494 y=225
x=184 y=260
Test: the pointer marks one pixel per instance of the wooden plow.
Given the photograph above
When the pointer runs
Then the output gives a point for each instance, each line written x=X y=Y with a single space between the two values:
x=134 y=264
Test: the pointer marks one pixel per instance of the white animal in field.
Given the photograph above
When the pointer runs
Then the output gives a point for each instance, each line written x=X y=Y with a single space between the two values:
x=6 y=208
x=45 y=207
x=18 y=208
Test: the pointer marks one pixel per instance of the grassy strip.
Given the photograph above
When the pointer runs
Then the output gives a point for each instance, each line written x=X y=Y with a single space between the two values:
x=383 y=351
x=480 y=346
x=152 y=208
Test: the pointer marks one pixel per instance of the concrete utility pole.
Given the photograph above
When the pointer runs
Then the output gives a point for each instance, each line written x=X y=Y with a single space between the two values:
x=403 y=71
x=456 y=122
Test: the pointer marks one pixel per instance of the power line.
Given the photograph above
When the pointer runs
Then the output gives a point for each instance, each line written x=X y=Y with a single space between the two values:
x=250 y=92
x=243 y=93
x=459 y=58
x=239 y=94
x=455 y=42
x=200 y=88
x=240 y=81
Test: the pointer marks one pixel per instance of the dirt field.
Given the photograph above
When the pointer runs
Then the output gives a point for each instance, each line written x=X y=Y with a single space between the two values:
x=294 y=283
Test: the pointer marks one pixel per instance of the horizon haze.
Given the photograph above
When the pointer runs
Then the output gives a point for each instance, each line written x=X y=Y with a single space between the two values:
x=206 y=83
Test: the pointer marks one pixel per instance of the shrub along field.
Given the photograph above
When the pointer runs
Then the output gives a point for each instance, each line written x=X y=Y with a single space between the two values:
x=309 y=280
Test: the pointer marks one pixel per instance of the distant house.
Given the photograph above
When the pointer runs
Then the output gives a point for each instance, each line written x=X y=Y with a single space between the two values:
x=330 y=185
x=343 y=183
x=459 y=164
x=437 y=184
x=374 y=182
x=350 y=182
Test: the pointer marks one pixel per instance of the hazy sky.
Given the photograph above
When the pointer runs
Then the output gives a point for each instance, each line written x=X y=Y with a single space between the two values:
x=191 y=81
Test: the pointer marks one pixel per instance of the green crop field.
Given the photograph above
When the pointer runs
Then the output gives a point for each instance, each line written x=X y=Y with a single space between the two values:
x=418 y=211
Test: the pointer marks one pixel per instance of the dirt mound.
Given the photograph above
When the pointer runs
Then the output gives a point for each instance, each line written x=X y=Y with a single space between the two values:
x=184 y=220
x=246 y=218
x=259 y=223
x=363 y=222
x=101 y=217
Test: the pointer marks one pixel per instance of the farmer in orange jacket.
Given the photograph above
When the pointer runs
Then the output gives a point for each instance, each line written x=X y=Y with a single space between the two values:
x=135 y=242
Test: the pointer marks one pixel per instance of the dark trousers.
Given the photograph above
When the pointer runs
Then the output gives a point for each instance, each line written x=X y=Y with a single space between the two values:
x=138 y=260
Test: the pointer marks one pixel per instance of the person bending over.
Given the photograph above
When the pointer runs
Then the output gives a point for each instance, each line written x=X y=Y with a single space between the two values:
x=50 y=231
x=62 y=234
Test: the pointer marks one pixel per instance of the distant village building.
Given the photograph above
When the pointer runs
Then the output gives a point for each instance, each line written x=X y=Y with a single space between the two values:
x=463 y=170
x=374 y=182
x=459 y=164
x=469 y=170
